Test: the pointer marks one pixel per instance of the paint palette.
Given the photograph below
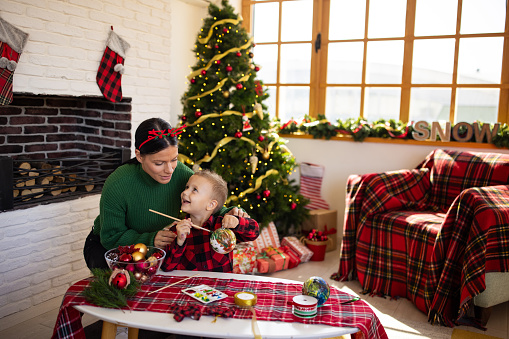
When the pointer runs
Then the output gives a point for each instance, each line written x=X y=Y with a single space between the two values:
x=204 y=293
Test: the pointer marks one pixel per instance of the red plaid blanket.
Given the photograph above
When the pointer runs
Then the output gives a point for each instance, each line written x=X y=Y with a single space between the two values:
x=272 y=304
x=401 y=240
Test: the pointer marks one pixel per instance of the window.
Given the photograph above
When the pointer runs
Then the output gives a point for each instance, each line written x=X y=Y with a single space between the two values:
x=409 y=60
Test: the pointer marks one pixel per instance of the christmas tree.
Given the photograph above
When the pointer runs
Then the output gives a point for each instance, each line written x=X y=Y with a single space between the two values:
x=227 y=127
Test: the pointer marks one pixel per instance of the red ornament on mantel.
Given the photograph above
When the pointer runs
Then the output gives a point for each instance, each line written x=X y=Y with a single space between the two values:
x=203 y=72
x=238 y=134
x=239 y=86
x=266 y=193
x=198 y=113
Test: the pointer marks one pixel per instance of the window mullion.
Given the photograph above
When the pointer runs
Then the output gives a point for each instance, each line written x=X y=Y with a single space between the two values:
x=407 y=61
x=503 y=105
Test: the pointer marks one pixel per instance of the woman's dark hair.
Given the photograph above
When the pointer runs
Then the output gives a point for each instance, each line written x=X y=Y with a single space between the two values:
x=152 y=145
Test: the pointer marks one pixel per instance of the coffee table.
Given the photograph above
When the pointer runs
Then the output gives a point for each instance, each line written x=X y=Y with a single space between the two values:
x=221 y=328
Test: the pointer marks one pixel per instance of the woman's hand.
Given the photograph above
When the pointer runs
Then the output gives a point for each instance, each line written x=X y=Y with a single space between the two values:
x=164 y=237
x=237 y=212
x=229 y=221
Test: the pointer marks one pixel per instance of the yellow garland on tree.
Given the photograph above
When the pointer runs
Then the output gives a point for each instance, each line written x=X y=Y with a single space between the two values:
x=218 y=86
x=258 y=183
x=219 y=115
x=219 y=57
x=217 y=23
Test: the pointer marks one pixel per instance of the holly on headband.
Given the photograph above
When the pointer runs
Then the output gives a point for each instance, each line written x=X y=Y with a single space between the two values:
x=153 y=134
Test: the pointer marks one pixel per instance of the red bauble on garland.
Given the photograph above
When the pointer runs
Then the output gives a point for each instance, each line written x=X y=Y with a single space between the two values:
x=198 y=113
x=193 y=80
x=238 y=54
x=218 y=62
x=261 y=138
x=238 y=134
x=203 y=72
x=266 y=193
x=239 y=86
x=229 y=68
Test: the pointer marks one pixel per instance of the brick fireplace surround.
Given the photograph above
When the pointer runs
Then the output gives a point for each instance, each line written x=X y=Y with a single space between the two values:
x=42 y=246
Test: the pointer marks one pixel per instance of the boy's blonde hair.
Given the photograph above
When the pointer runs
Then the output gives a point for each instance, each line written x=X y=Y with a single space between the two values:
x=219 y=187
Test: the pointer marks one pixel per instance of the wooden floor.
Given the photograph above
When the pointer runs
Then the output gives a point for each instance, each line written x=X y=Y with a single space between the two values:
x=400 y=318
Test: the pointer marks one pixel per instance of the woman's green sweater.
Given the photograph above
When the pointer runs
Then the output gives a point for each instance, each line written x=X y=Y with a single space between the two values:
x=127 y=195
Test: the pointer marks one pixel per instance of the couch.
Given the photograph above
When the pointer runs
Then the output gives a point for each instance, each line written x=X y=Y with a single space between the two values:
x=432 y=234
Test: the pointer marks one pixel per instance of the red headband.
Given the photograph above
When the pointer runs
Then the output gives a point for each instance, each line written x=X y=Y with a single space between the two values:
x=161 y=134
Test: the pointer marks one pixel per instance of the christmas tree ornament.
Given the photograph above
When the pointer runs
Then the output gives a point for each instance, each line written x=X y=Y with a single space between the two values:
x=203 y=72
x=225 y=30
x=226 y=94
x=251 y=55
x=216 y=46
x=238 y=134
x=266 y=193
x=198 y=113
x=223 y=240
x=111 y=68
x=317 y=287
x=120 y=279
x=238 y=54
x=261 y=138
x=218 y=62
x=229 y=68
x=258 y=197
x=184 y=118
x=246 y=124
x=266 y=155
x=193 y=80
x=253 y=160
x=257 y=68
x=137 y=256
x=293 y=206
x=142 y=248
x=12 y=43
x=239 y=86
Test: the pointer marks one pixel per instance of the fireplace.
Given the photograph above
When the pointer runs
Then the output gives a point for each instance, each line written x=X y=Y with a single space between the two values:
x=74 y=141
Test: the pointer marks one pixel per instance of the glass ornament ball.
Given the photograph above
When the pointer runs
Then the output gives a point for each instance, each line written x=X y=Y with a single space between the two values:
x=317 y=287
x=223 y=240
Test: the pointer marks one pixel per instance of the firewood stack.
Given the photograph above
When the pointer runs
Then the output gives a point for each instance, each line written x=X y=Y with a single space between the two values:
x=34 y=180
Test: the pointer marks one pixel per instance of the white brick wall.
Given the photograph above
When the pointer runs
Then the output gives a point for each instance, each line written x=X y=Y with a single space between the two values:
x=43 y=251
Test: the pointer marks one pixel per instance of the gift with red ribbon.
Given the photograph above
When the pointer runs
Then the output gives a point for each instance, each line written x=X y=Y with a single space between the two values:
x=293 y=258
x=279 y=257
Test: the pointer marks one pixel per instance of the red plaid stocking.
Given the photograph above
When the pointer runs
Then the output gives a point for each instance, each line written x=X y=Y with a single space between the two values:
x=311 y=177
x=12 y=42
x=109 y=74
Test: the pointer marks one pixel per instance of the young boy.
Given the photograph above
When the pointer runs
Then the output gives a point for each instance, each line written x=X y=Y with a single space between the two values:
x=204 y=195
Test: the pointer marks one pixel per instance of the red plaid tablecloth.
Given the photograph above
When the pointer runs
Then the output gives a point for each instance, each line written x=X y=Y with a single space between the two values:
x=272 y=304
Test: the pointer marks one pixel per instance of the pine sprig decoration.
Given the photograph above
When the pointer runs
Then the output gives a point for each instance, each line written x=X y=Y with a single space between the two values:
x=102 y=294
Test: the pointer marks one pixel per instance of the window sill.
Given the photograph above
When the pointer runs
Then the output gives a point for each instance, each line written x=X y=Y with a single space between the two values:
x=399 y=141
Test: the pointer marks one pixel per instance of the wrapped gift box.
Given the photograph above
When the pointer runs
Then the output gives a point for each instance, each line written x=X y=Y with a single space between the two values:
x=293 y=258
x=244 y=258
x=298 y=248
x=280 y=258
x=268 y=238
x=265 y=264
x=326 y=222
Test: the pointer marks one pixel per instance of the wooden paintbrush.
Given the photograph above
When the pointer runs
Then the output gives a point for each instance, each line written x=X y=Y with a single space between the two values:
x=176 y=219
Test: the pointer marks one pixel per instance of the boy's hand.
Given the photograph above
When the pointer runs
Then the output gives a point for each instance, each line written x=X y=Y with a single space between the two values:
x=238 y=212
x=230 y=221
x=183 y=230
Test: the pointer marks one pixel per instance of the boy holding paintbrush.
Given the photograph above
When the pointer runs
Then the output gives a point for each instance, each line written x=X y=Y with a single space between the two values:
x=204 y=195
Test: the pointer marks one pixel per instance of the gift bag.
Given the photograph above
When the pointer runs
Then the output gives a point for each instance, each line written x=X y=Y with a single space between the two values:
x=244 y=258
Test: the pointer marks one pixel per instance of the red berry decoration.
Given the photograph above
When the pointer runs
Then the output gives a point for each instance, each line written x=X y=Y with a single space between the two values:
x=266 y=193
x=238 y=54
x=203 y=72
x=293 y=206
x=257 y=68
x=261 y=138
x=193 y=80
x=238 y=134
x=239 y=86
x=125 y=257
x=198 y=113
x=229 y=68
x=225 y=30
x=119 y=281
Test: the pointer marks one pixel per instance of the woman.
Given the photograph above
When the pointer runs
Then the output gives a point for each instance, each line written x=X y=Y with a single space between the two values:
x=154 y=179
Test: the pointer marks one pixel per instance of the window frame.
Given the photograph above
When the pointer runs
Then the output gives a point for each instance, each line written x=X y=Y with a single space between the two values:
x=318 y=77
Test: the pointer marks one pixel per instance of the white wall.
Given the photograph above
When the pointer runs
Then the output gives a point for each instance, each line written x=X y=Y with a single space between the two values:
x=343 y=158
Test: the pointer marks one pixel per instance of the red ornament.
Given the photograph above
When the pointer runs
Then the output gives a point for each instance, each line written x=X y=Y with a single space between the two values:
x=239 y=86
x=225 y=30
x=229 y=68
x=198 y=113
x=238 y=54
x=266 y=193
x=293 y=206
x=216 y=46
x=193 y=80
x=254 y=44
x=203 y=72
x=184 y=118
x=261 y=138
x=238 y=134
x=258 y=196
x=119 y=281
x=157 y=255
x=218 y=62
x=257 y=68
x=125 y=257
